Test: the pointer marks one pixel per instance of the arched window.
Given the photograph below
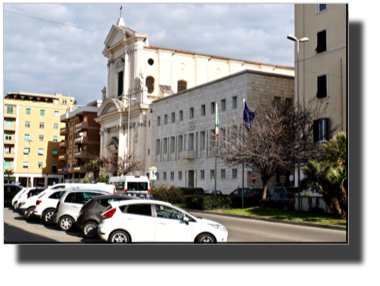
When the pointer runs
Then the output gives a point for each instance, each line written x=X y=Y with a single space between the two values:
x=182 y=85
x=150 y=84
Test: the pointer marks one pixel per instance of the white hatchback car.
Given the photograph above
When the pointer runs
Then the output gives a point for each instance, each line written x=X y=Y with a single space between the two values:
x=17 y=196
x=70 y=204
x=156 y=221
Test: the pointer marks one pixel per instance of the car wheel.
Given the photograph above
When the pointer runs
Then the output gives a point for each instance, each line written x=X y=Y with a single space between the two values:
x=15 y=205
x=90 y=229
x=47 y=216
x=29 y=213
x=18 y=207
x=65 y=223
x=205 y=238
x=119 y=236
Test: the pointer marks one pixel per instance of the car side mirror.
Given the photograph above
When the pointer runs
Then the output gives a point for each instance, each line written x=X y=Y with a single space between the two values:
x=186 y=220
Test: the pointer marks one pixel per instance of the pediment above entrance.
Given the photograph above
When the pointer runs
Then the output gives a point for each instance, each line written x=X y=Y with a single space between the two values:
x=117 y=34
x=110 y=105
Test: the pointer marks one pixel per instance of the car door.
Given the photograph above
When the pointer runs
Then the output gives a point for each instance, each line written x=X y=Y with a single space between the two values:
x=275 y=201
x=170 y=226
x=139 y=222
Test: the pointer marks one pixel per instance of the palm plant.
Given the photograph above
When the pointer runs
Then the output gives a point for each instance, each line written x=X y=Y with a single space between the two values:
x=94 y=166
x=8 y=172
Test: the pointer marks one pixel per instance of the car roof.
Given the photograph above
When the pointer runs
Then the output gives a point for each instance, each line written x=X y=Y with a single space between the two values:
x=97 y=198
x=128 y=202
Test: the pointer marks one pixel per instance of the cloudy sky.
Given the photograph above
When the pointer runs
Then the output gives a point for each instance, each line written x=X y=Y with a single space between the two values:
x=49 y=56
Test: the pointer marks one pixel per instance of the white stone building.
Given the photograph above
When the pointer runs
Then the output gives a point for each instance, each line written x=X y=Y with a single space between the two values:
x=142 y=73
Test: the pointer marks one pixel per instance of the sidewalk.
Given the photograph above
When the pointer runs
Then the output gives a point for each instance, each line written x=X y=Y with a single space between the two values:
x=273 y=220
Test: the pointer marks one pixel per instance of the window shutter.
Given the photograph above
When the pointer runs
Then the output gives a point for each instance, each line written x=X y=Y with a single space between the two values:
x=328 y=123
x=315 y=127
x=322 y=86
x=120 y=83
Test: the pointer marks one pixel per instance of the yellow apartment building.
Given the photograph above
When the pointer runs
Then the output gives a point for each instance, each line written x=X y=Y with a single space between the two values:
x=32 y=136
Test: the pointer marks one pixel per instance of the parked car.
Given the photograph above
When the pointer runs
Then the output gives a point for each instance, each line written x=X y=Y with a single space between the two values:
x=283 y=201
x=90 y=213
x=10 y=191
x=17 y=196
x=131 y=184
x=69 y=206
x=139 y=196
x=252 y=197
x=276 y=190
x=212 y=192
x=46 y=204
x=31 y=192
x=110 y=188
x=156 y=221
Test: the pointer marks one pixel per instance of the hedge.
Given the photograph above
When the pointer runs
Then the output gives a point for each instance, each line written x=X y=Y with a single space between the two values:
x=166 y=193
x=193 y=191
x=202 y=202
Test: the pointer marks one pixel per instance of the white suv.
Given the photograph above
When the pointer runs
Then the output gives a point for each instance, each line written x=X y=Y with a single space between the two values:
x=45 y=206
x=156 y=221
x=69 y=206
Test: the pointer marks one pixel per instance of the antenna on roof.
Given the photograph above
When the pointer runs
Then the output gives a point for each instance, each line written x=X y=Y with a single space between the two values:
x=121 y=10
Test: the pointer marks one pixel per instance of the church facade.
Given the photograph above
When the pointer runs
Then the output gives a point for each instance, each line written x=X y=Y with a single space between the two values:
x=140 y=73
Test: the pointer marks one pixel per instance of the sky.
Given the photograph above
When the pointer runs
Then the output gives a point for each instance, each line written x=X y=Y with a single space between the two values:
x=46 y=57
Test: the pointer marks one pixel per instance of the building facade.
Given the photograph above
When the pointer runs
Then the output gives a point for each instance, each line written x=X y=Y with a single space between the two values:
x=322 y=62
x=183 y=127
x=81 y=140
x=141 y=73
x=32 y=135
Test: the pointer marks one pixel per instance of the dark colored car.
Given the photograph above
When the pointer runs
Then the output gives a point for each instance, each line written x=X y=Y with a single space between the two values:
x=252 y=197
x=276 y=190
x=212 y=192
x=90 y=213
x=283 y=201
x=10 y=191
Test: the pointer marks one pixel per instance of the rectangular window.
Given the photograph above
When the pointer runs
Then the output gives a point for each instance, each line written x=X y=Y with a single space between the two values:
x=39 y=165
x=26 y=150
x=7 y=164
x=165 y=146
x=223 y=173
x=179 y=175
x=55 y=126
x=321 y=130
x=165 y=119
x=120 y=83
x=42 y=112
x=212 y=138
x=212 y=107
x=234 y=102
x=55 y=138
x=26 y=137
x=223 y=104
x=40 y=151
x=7 y=150
x=64 y=101
x=56 y=113
x=173 y=117
x=172 y=144
x=171 y=175
x=203 y=110
x=211 y=174
x=191 y=142
x=191 y=113
x=321 y=7
x=55 y=152
x=9 y=110
x=158 y=121
x=25 y=165
x=181 y=115
x=28 y=111
x=157 y=146
x=54 y=167
x=27 y=124
x=322 y=86
x=9 y=123
x=321 y=42
x=164 y=177
x=203 y=140
x=202 y=174
x=42 y=125
x=8 y=136
x=234 y=173
x=41 y=138
x=180 y=143
x=277 y=102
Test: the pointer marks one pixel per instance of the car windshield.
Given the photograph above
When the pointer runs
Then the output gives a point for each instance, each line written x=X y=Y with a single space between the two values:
x=137 y=186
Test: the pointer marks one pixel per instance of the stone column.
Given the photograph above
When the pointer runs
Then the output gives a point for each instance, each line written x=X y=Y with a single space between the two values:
x=101 y=133
x=121 y=148
x=126 y=72
x=106 y=131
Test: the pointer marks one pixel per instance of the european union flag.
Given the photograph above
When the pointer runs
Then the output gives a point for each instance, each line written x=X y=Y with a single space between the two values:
x=248 y=116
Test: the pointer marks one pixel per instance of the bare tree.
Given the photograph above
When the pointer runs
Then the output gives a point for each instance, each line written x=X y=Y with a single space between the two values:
x=120 y=166
x=271 y=142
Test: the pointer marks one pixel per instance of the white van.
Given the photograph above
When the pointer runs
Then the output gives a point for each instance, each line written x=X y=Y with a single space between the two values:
x=131 y=184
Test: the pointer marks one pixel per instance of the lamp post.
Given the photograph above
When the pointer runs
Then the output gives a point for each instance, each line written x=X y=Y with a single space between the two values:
x=297 y=41
x=27 y=182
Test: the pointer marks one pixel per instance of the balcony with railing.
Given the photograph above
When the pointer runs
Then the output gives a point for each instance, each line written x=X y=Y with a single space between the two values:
x=80 y=169
x=81 y=154
x=10 y=113
x=63 y=144
x=81 y=125
x=64 y=131
x=81 y=140
x=9 y=154
x=63 y=157
x=10 y=139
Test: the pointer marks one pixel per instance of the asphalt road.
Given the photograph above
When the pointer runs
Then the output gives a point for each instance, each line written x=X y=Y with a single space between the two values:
x=18 y=230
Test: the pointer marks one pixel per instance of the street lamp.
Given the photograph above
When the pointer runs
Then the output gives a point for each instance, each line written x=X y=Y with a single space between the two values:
x=297 y=41
x=27 y=182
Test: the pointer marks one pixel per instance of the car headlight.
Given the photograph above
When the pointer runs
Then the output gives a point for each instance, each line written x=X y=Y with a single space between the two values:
x=219 y=227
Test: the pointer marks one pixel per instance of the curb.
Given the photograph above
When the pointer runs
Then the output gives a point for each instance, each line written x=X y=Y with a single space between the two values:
x=341 y=228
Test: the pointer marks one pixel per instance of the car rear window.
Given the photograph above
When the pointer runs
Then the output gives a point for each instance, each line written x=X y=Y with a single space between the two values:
x=69 y=198
x=137 y=186
x=35 y=192
x=82 y=198
x=57 y=195
x=142 y=209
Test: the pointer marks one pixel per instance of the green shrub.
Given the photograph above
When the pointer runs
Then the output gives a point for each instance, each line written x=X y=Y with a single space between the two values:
x=193 y=191
x=102 y=180
x=166 y=193
x=202 y=202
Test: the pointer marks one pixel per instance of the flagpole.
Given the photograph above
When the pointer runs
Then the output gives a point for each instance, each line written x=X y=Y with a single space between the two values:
x=242 y=188
x=216 y=138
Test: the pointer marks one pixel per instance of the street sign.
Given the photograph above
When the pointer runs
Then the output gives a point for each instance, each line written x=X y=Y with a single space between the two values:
x=291 y=178
x=253 y=178
x=152 y=173
x=282 y=179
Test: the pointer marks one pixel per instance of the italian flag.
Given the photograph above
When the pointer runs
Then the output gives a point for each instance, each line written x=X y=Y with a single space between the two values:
x=216 y=120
